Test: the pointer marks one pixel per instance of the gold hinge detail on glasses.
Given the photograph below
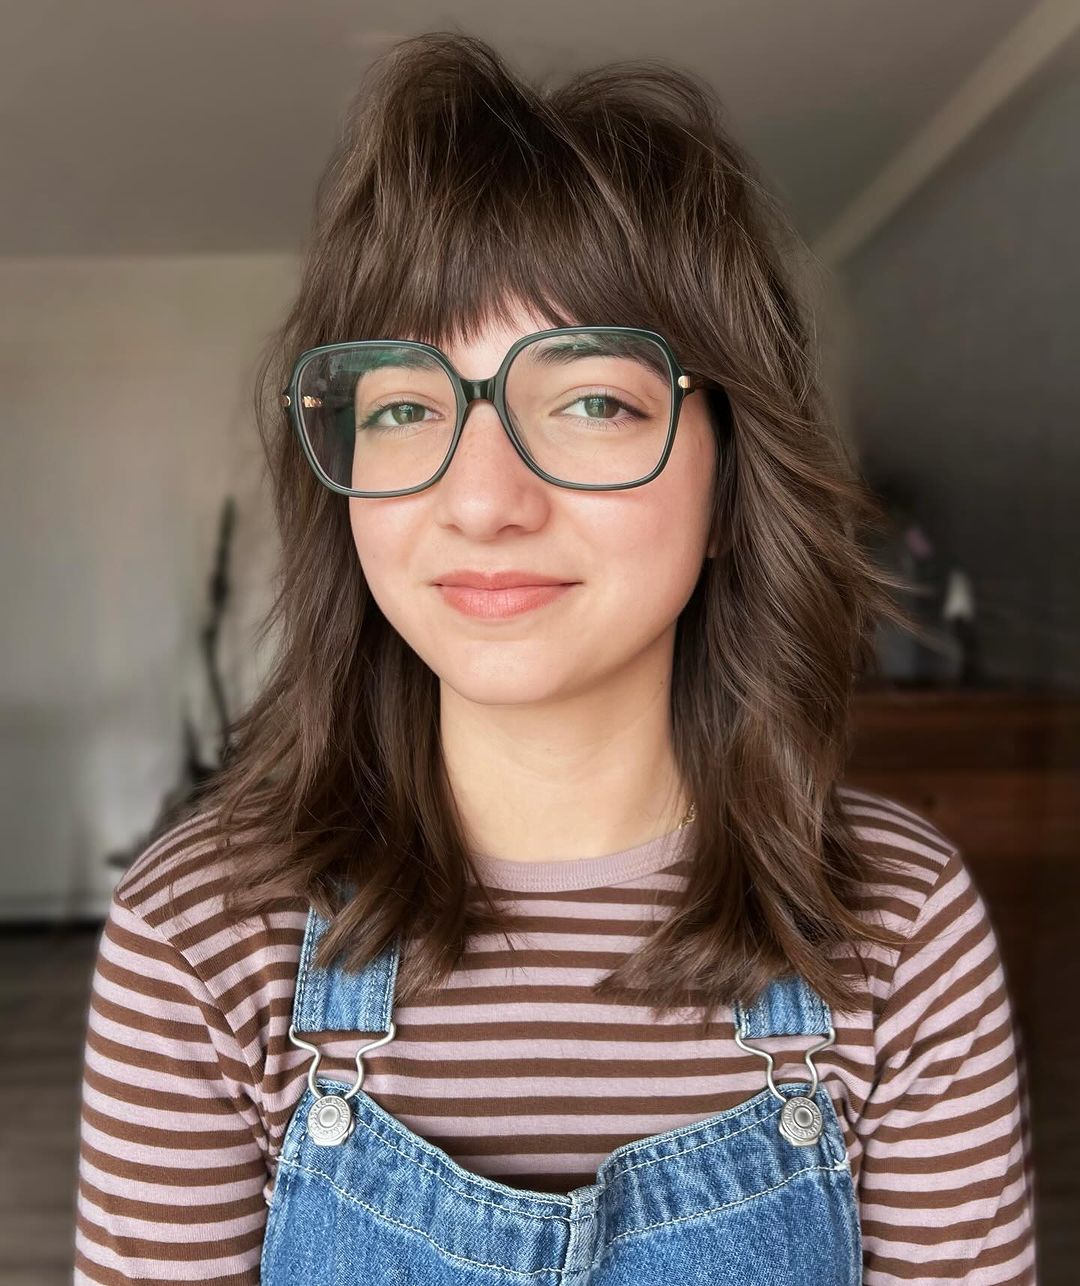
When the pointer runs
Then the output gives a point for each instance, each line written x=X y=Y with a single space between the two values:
x=306 y=400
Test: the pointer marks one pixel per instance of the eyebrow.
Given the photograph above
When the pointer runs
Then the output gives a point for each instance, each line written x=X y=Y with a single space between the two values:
x=550 y=352
x=566 y=349
x=562 y=351
x=363 y=360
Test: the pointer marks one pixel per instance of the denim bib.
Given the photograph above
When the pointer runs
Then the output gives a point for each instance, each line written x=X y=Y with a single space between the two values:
x=758 y=1195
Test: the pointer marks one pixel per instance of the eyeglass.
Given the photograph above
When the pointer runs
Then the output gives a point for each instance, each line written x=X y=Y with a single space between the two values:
x=383 y=417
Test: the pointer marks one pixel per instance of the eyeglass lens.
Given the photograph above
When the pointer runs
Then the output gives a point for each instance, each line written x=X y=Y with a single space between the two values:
x=587 y=407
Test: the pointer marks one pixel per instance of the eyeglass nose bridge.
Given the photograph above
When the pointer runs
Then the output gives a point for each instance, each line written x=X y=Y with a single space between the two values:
x=484 y=391
x=479 y=390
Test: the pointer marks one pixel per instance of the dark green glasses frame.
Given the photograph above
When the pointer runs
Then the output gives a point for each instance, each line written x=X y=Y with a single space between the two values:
x=493 y=389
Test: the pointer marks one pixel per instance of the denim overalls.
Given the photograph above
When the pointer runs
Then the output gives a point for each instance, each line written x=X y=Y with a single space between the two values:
x=730 y=1200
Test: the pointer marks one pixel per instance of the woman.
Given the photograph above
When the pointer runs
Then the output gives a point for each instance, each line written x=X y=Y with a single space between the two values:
x=528 y=935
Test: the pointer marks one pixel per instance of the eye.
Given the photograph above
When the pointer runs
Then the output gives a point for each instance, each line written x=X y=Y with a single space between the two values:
x=601 y=406
x=402 y=413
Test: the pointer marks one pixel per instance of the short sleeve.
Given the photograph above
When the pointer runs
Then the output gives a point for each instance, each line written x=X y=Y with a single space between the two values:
x=171 y=1168
x=946 y=1179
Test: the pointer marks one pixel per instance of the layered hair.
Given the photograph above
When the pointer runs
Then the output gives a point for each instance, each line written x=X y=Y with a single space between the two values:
x=615 y=198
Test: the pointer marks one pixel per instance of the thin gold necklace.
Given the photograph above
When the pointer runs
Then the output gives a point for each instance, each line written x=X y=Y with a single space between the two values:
x=691 y=813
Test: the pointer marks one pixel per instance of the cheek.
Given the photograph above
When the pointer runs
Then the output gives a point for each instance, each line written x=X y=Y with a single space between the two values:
x=656 y=536
x=648 y=559
x=382 y=545
x=360 y=526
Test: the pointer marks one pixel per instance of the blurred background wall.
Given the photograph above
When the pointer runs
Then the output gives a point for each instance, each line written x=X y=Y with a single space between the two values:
x=127 y=419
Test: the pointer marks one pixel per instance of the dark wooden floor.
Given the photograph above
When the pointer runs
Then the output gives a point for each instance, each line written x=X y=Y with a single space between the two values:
x=44 y=992
x=44 y=988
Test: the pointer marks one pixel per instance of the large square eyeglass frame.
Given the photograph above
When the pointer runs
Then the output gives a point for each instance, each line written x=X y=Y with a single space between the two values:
x=493 y=389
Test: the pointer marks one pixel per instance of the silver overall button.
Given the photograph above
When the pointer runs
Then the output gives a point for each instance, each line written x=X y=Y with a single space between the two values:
x=330 y=1120
x=800 y=1121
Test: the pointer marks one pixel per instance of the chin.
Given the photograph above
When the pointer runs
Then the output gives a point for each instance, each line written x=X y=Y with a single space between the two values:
x=484 y=676
x=502 y=690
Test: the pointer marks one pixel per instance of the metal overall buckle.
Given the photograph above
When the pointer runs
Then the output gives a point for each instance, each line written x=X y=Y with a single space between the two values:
x=330 y=1119
x=801 y=1121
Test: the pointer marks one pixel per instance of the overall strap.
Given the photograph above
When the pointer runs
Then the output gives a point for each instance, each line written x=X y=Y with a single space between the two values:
x=330 y=999
x=788 y=1006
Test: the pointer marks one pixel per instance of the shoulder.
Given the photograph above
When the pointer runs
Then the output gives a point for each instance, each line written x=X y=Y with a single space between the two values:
x=912 y=863
x=175 y=889
x=179 y=877
x=885 y=823
x=923 y=888
x=190 y=847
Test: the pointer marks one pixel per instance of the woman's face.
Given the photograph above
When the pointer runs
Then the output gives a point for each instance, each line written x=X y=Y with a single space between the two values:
x=631 y=558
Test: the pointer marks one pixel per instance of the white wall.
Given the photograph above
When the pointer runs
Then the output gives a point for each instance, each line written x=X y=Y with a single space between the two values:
x=127 y=392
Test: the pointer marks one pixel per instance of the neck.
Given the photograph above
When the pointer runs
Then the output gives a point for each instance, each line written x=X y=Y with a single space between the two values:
x=578 y=778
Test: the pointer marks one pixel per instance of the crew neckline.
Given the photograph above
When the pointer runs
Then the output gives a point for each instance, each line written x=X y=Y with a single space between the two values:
x=553 y=875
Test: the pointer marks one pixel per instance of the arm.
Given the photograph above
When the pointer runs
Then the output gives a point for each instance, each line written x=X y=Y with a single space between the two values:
x=171 y=1164
x=946 y=1183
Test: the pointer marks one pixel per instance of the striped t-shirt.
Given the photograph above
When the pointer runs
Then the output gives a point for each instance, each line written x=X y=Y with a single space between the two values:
x=516 y=1071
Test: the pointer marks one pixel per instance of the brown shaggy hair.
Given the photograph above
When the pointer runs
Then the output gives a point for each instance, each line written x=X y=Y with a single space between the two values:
x=617 y=198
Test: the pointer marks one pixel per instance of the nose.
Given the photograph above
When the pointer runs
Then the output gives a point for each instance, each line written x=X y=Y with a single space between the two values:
x=488 y=455
x=481 y=407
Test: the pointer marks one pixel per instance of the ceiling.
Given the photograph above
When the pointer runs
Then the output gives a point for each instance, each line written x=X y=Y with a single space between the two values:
x=195 y=126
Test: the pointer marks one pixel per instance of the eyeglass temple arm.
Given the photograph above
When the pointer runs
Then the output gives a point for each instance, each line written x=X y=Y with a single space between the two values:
x=690 y=383
x=309 y=400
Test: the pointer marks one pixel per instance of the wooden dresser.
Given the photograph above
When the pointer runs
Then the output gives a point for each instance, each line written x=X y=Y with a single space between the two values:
x=998 y=770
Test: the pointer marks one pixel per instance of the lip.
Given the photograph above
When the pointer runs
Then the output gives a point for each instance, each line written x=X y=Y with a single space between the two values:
x=514 y=579
x=498 y=604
